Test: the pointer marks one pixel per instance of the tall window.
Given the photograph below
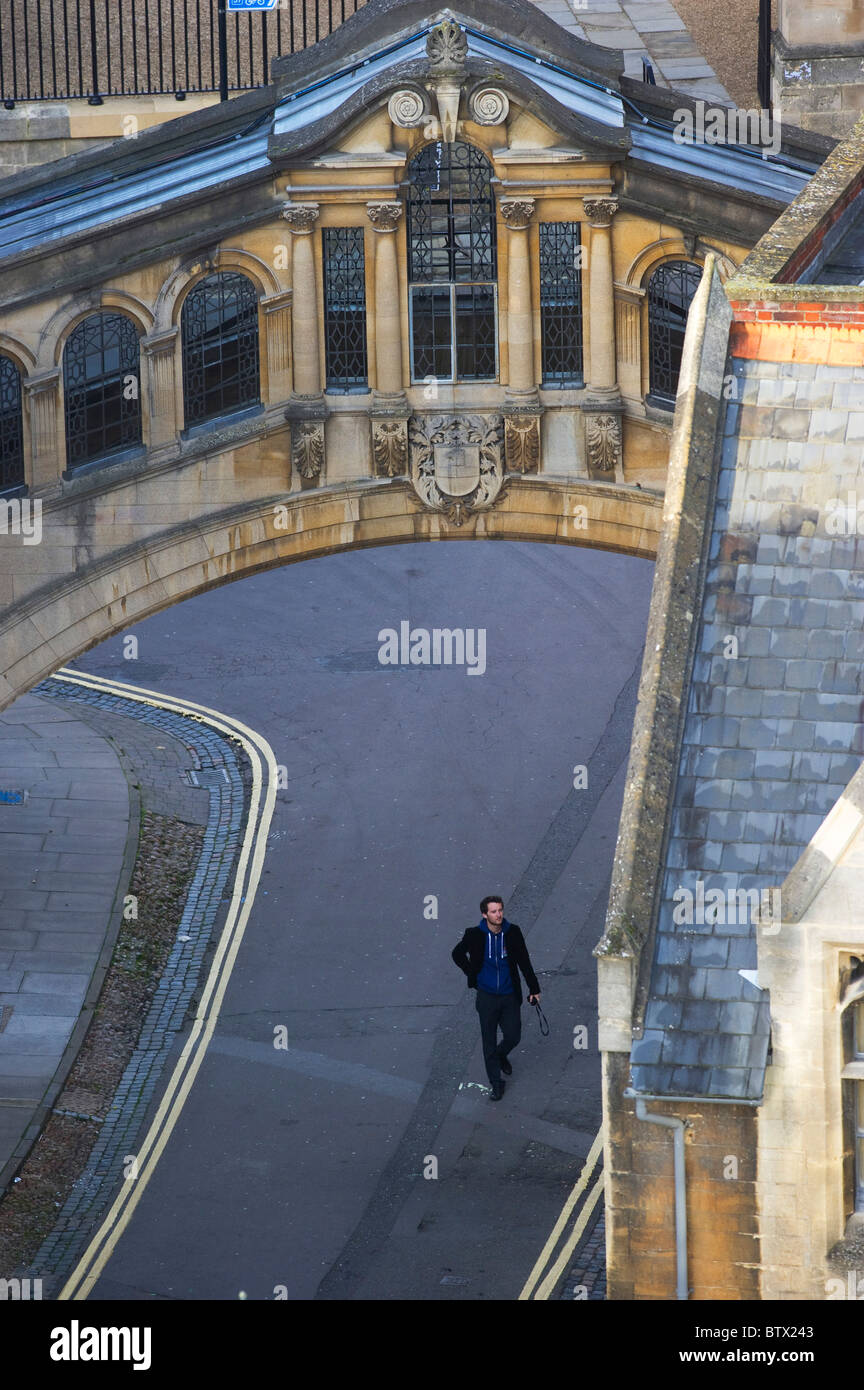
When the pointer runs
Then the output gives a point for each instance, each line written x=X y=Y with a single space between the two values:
x=219 y=329
x=345 y=307
x=561 y=302
x=101 y=385
x=452 y=264
x=11 y=428
x=853 y=1104
x=670 y=294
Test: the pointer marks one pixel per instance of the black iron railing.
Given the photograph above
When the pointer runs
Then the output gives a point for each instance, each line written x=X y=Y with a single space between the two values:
x=54 y=50
x=763 y=69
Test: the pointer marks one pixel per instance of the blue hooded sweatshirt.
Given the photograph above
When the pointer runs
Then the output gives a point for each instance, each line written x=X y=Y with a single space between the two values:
x=495 y=976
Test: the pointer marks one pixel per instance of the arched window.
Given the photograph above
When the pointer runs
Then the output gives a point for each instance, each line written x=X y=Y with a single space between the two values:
x=219 y=325
x=670 y=294
x=452 y=264
x=11 y=427
x=101 y=379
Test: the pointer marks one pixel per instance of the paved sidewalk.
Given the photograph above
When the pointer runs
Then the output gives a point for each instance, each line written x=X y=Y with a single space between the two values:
x=642 y=28
x=63 y=856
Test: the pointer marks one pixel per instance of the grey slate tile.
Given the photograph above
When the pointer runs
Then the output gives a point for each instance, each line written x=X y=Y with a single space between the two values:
x=723 y=984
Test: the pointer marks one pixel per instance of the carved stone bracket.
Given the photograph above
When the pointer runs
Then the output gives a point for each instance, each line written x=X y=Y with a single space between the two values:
x=522 y=442
x=390 y=447
x=516 y=213
x=307 y=447
x=457 y=465
x=447 y=49
x=301 y=217
x=603 y=439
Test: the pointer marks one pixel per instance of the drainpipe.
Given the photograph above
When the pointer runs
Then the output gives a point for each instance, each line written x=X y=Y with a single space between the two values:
x=682 y=1290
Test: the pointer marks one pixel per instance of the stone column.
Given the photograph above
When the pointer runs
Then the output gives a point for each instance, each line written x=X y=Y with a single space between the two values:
x=158 y=352
x=306 y=410
x=602 y=406
x=522 y=404
x=277 y=310
x=43 y=392
x=390 y=409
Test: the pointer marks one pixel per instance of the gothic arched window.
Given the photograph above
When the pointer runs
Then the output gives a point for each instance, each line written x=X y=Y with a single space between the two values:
x=452 y=264
x=101 y=386
x=219 y=328
x=670 y=294
x=11 y=426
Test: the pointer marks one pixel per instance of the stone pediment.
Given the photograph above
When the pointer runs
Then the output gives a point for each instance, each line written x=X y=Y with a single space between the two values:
x=409 y=91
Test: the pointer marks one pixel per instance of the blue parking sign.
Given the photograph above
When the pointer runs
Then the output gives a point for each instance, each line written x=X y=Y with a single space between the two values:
x=251 y=4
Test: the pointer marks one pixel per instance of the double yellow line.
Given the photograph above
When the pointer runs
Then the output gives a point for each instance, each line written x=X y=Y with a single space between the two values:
x=246 y=881
x=544 y=1290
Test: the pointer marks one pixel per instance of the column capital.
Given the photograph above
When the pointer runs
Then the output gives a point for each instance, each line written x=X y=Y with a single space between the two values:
x=384 y=216
x=163 y=341
x=301 y=217
x=44 y=381
x=516 y=213
x=600 y=211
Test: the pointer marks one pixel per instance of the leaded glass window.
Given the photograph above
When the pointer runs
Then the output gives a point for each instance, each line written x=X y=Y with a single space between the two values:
x=345 y=307
x=561 y=302
x=670 y=294
x=11 y=427
x=219 y=327
x=452 y=264
x=101 y=386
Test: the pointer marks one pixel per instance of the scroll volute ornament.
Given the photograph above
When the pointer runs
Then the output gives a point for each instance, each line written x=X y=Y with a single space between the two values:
x=489 y=106
x=409 y=107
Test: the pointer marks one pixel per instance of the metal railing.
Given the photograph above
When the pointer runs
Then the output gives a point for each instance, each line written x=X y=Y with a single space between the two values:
x=763 y=62
x=55 y=50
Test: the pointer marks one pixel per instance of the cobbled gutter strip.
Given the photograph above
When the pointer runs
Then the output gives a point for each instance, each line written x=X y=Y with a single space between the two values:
x=211 y=754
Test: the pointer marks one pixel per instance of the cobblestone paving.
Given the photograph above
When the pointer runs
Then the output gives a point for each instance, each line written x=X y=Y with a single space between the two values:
x=218 y=768
x=587 y=1273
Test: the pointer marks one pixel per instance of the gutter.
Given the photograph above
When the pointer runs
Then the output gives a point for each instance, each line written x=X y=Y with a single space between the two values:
x=682 y=1291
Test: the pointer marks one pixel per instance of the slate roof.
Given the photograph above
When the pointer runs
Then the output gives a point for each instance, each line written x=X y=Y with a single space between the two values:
x=772 y=737
x=578 y=85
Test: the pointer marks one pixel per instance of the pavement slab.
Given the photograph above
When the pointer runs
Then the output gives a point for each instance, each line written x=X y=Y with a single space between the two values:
x=54 y=912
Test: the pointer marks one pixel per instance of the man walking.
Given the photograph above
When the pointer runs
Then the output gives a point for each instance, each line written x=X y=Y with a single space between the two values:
x=491 y=955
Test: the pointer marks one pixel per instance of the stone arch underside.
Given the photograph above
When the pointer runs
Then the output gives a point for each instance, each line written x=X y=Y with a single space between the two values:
x=70 y=613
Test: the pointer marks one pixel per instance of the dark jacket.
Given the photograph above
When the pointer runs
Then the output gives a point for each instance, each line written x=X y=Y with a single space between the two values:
x=470 y=953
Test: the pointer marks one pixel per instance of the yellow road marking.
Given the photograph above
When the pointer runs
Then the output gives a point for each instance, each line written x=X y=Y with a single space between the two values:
x=101 y=1247
x=555 y=1236
x=560 y=1265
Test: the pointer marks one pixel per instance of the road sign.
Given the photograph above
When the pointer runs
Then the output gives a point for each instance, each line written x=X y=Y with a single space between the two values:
x=251 y=4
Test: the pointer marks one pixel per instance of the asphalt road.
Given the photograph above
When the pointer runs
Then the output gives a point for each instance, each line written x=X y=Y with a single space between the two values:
x=300 y=1173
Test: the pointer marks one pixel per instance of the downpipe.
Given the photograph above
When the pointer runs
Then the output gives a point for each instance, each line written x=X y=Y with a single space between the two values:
x=682 y=1291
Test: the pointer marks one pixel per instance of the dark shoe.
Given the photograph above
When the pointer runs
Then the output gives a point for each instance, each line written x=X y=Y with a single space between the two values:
x=505 y=1066
x=497 y=1091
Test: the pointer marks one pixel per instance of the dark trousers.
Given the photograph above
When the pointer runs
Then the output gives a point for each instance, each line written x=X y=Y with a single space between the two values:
x=498 y=1010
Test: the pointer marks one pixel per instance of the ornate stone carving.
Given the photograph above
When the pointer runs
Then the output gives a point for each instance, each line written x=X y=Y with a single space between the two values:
x=600 y=211
x=408 y=108
x=390 y=447
x=517 y=212
x=522 y=443
x=301 y=217
x=489 y=106
x=604 y=442
x=456 y=463
x=384 y=216
x=447 y=48
x=307 y=447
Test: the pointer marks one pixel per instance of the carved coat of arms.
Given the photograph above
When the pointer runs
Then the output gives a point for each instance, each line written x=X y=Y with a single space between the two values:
x=456 y=463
